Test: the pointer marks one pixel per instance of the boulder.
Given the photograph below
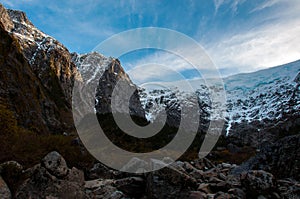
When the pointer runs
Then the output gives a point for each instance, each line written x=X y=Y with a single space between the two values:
x=52 y=178
x=4 y=190
x=55 y=164
x=257 y=182
x=132 y=186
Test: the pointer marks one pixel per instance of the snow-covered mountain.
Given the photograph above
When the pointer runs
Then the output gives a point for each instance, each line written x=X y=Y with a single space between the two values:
x=258 y=98
x=101 y=74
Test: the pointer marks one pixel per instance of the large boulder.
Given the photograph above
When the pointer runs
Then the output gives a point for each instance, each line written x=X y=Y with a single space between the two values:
x=52 y=178
x=4 y=190
x=55 y=164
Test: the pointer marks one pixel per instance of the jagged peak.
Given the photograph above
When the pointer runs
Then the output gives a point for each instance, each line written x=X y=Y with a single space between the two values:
x=5 y=19
x=19 y=16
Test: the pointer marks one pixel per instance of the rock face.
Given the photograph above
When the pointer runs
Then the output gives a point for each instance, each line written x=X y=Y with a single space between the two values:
x=4 y=190
x=103 y=74
x=281 y=158
x=36 y=75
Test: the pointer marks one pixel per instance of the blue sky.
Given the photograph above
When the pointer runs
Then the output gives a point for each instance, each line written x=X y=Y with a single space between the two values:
x=239 y=35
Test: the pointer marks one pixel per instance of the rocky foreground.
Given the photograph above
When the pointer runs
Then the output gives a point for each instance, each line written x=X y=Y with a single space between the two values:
x=52 y=178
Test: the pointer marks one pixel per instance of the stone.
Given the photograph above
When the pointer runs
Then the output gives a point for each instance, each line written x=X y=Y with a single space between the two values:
x=52 y=178
x=131 y=186
x=204 y=187
x=4 y=190
x=55 y=164
x=257 y=182
x=197 y=195
x=239 y=193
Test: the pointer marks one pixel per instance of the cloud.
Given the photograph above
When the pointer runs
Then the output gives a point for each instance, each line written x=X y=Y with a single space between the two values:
x=266 y=4
x=233 y=4
x=187 y=62
x=218 y=4
x=271 y=44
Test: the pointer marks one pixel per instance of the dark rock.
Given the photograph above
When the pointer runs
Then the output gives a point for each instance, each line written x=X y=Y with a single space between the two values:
x=132 y=186
x=100 y=171
x=4 y=190
x=102 y=189
x=104 y=74
x=53 y=179
x=258 y=182
x=170 y=182
x=282 y=159
x=197 y=195
x=238 y=193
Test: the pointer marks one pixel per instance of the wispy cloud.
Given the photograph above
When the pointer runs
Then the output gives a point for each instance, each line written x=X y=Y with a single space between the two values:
x=266 y=47
x=273 y=43
x=233 y=4
x=218 y=3
x=266 y=4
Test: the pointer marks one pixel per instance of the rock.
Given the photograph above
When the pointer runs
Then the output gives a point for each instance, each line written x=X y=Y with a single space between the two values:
x=104 y=74
x=99 y=171
x=4 y=190
x=170 y=182
x=55 y=164
x=204 y=187
x=204 y=164
x=132 y=186
x=222 y=195
x=52 y=178
x=197 y=195
x=18 y=168
x=102 y=189
x=257 y=182
x=282 y=159
x=49 y=75
x=11 y=172
x=239 y=193
x=176 y=176
x=288 y=187
x=75 y=175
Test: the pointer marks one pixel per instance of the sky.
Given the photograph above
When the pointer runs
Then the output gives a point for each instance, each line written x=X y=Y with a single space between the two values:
x=238 y=35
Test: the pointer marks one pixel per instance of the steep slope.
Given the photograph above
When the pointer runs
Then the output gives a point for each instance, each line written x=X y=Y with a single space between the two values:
x=36 y=75
x=261 y=106
x=105 y=73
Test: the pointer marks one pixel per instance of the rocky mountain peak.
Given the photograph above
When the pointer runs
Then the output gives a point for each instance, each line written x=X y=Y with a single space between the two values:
x=5 y=19
x=104 y=73
x=19 y=16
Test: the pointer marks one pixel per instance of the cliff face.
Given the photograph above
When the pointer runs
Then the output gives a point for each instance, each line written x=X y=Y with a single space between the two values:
x=104 y=73
x=36 y=75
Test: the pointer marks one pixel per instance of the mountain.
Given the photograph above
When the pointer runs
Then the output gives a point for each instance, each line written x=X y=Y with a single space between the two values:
x=36 y=75
x=261 y=106
x=47 y=75
x=102 y=73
